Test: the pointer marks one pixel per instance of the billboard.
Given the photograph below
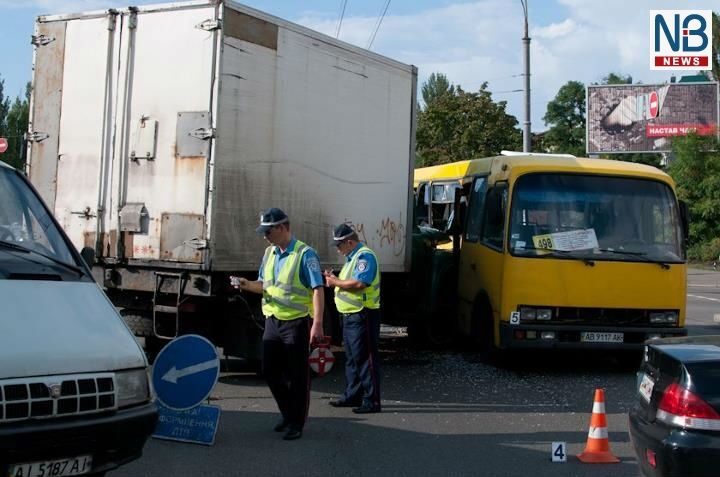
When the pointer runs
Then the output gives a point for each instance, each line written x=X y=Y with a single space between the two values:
x=645 y=118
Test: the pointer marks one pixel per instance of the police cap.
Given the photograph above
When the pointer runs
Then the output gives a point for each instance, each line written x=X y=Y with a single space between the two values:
x=343 y=232
x=271 y=218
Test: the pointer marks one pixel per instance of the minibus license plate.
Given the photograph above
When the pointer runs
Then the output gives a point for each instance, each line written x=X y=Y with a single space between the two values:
x=601 y=337
x=55 y=468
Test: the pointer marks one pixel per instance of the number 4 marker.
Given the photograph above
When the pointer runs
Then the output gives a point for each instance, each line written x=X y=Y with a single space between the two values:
x=559 y=454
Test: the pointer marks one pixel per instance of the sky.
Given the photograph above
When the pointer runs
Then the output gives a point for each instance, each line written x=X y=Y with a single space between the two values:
x=471 y=42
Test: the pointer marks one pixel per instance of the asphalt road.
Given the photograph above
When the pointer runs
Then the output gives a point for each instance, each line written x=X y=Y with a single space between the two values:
x=445 y=413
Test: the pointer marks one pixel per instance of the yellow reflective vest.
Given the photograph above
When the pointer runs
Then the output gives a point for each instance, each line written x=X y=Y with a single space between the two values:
x=352 y=301
x=284 y=295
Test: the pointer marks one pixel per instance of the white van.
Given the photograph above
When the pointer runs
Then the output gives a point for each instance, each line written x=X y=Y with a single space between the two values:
x=74 y=391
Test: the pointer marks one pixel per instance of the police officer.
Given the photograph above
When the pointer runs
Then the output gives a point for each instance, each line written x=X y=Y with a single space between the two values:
x=357 y=298
x=291 y=284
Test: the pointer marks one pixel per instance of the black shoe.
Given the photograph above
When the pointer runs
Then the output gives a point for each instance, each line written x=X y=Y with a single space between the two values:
x=366 y=410
x=281 y=426
x=341 y=403
x=292 y=434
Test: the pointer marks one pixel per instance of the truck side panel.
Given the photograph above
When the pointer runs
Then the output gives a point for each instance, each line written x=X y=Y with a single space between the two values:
x=319 y=130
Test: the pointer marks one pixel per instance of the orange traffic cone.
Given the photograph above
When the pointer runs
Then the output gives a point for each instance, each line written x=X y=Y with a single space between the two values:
x=597 y=449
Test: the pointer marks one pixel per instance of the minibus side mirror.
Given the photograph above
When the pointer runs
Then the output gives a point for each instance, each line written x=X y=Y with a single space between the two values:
x=685 y=218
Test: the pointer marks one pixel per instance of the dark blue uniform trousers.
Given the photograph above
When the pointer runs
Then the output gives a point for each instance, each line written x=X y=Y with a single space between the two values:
x=285 y=366
x=361 y=333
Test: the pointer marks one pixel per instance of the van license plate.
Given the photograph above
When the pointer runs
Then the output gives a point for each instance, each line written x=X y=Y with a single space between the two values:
x=53 y=468
x=601 y=337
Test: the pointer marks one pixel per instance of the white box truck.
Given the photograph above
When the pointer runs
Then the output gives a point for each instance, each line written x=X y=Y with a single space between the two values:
x=159 y=133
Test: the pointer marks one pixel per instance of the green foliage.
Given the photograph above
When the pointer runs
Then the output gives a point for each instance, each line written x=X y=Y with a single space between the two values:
x=17 y=124
x=617 y=78
x=705 y=251
x=651 y=159
x=566 y=117
x=696 y=171
x=464 y=125
x=435 y=87
x=4 y=107
x=13 y=124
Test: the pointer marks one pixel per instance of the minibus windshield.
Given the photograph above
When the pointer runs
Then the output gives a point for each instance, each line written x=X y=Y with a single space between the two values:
x=596 y=217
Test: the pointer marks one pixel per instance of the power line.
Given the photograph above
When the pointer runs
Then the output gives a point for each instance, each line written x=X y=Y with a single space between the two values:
x=342 y=15
x=377 y=27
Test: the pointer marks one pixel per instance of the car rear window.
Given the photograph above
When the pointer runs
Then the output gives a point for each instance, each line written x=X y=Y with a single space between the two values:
x=705 y=377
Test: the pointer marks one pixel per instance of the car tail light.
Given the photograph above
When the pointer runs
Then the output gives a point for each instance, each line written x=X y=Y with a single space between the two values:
x=680 y=407
x=650 y=458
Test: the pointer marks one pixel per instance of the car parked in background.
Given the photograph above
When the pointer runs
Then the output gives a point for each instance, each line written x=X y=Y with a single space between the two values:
x=74 y=392
x=675 y=420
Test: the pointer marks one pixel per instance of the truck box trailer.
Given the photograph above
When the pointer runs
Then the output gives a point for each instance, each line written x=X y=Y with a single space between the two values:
x=158 y=134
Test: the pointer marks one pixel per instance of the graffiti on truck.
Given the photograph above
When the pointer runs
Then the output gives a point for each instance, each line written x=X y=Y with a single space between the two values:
x=389 y=233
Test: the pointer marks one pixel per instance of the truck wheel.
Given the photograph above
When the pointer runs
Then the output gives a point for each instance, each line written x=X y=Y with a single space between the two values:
x=140 y=325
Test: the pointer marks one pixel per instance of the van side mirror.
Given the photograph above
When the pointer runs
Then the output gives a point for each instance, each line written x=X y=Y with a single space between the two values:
x=684 y=218
x=88 y=254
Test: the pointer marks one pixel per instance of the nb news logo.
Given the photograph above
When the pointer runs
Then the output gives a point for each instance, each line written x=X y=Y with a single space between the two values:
x=680 y=39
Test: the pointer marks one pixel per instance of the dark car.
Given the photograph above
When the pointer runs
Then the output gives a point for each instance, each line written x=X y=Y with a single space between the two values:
x=675 y=420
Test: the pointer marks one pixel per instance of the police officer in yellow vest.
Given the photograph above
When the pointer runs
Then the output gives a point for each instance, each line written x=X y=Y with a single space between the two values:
x=357 y=298
x=291 y=284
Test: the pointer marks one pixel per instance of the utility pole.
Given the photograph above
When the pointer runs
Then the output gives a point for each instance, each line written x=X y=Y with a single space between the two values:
x=527 y=138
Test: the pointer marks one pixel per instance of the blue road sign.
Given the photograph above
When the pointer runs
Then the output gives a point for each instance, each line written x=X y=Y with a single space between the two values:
x=185 y=372
x=197 y=425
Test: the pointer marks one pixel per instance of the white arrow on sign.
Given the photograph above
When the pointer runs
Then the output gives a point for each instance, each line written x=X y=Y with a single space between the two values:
x=174 y=374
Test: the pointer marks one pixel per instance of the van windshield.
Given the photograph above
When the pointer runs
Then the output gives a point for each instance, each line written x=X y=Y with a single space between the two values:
x=595 y=217
x=30 y=241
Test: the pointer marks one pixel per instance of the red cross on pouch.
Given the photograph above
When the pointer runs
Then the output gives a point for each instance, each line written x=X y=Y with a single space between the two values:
x=321 y=359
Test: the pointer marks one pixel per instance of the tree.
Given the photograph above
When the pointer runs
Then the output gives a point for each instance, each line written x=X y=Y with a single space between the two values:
x=464 y=125
x=4 y=107
x=616 y=78
x=16 y=126
x=565 y=115
x=435 y=87
x=696 y=171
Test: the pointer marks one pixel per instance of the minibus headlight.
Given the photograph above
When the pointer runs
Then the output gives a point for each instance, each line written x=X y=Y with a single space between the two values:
x=527 y=314
x=664 y=317
x=544 y=314
x=132 y=387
